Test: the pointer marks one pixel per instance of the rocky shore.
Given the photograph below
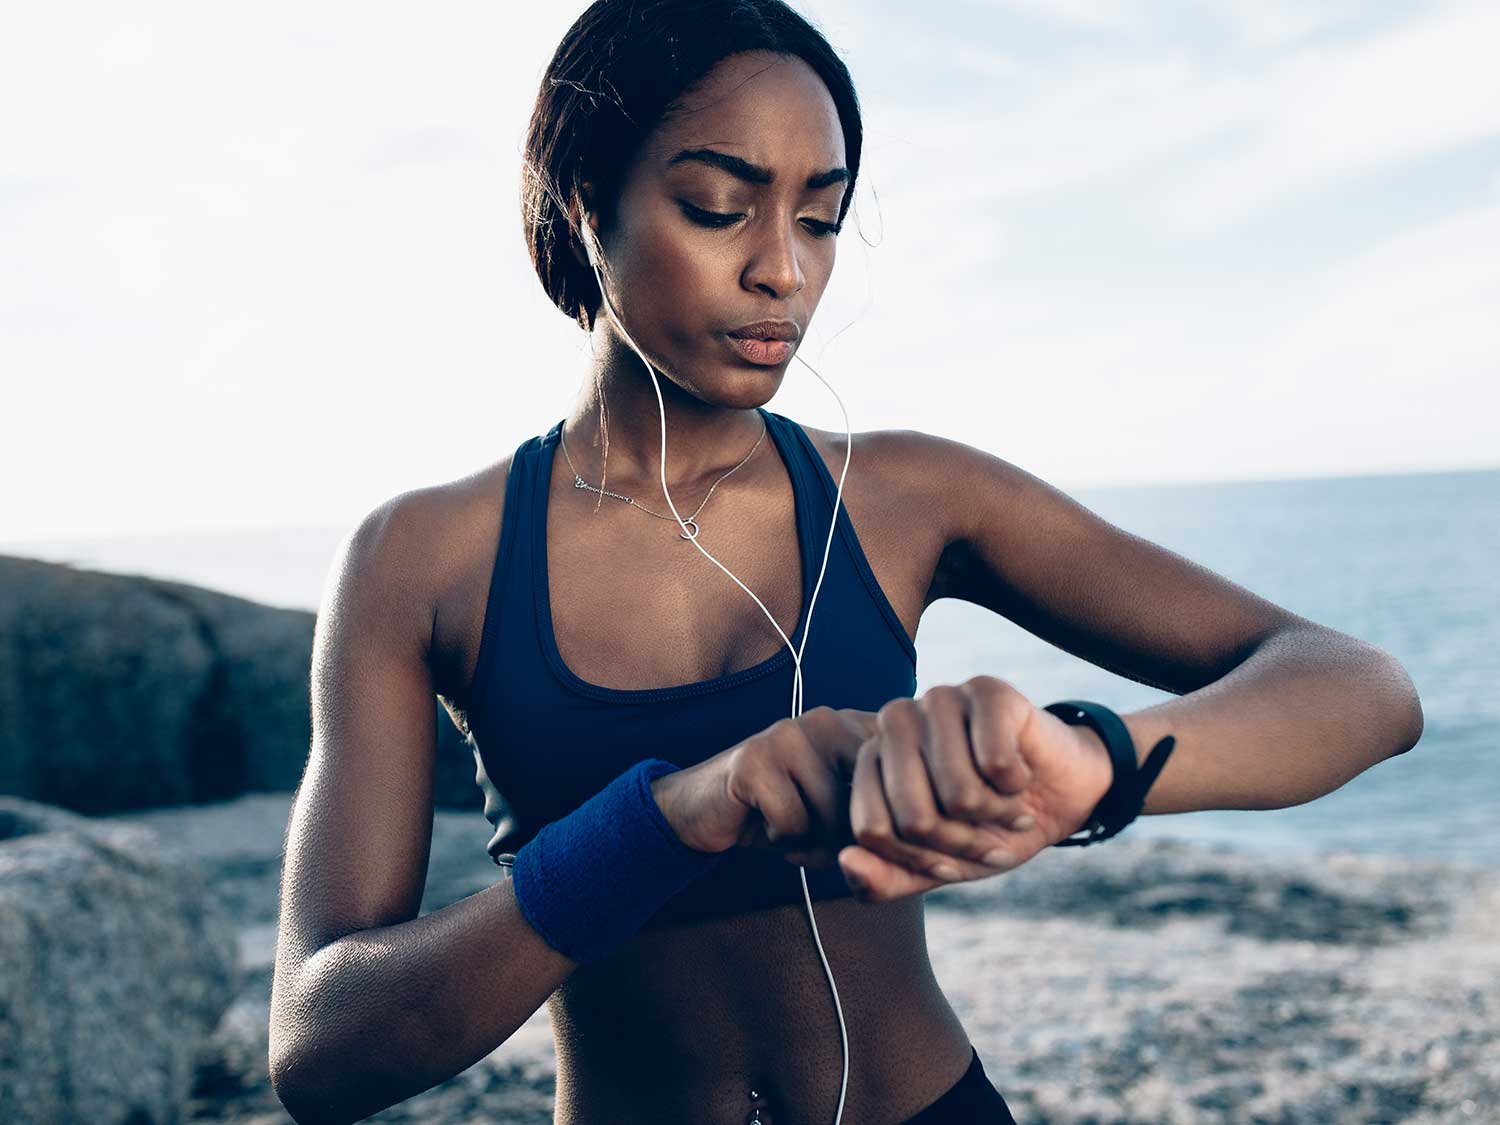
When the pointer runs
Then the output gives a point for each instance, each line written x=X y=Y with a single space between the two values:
x=1137 y=983
x=152 y=733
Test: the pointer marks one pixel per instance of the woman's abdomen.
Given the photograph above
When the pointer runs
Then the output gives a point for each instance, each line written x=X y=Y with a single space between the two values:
x=685 y=1021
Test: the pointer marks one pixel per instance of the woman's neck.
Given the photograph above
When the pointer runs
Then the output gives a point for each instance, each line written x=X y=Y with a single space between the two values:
x=704 y=439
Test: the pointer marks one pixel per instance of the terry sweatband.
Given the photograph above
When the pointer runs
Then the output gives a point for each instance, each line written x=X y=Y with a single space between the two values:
x=588 y=881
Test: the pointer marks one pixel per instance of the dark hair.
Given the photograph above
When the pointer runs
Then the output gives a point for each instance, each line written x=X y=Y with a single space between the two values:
x=620 y=69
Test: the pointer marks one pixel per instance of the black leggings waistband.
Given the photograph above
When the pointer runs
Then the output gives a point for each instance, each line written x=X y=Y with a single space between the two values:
x=972 y=1100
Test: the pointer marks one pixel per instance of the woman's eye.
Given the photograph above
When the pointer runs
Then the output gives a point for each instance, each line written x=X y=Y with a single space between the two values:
x=723 y=219
x=709 y=218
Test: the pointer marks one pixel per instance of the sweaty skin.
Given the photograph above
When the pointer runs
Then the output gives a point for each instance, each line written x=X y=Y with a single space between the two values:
x=720 y=1007
x=688 y=1020
x=683 y=1024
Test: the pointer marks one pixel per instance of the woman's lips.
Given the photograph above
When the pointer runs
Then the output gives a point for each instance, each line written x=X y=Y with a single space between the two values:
x=765 y=352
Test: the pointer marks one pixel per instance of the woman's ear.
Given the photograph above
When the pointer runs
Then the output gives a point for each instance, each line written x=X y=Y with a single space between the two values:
x=583 y=213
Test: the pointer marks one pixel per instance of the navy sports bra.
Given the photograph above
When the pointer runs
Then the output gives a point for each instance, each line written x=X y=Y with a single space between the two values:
x=544 y=740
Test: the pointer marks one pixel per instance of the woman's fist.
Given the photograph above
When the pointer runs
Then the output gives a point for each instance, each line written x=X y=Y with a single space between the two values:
x=967 y=781
x=974 y=774
x=786 y=788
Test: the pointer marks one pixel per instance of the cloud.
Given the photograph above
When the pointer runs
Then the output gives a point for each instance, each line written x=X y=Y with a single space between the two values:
x=1411 y=316
x=264 y=262
x=1090 y=14
x=1198 y=139
x=1329 y=114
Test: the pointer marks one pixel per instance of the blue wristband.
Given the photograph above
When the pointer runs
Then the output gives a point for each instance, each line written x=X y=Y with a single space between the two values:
x=590 y=880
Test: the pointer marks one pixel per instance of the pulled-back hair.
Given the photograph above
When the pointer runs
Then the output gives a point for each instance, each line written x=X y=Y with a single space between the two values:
x=617 y=73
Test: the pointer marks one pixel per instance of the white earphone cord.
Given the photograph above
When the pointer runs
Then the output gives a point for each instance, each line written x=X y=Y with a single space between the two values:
x=594 y=255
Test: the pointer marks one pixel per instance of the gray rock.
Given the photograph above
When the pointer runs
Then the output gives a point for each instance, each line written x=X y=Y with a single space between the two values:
x=92 y=716
x=122 y=692
x=1145 y=884
x=1139 y=981
x=1143 y=982
x=116 y=963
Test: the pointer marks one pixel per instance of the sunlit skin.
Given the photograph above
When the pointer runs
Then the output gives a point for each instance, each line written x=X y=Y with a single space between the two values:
x=679 y=284
x=938 y=782
x=1268 y=710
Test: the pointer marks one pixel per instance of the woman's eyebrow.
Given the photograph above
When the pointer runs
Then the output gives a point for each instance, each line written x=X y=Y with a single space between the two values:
x=754 y=173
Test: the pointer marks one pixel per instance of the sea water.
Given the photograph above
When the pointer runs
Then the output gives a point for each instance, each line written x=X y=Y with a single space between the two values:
x=1410 y=563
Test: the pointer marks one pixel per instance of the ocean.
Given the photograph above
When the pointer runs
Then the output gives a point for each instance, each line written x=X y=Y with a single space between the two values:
x=1406 y=562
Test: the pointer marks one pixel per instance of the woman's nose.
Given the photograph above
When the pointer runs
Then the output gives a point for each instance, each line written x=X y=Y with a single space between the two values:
x=774 y=268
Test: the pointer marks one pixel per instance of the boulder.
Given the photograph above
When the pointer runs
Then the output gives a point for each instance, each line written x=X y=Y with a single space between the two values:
x=121 y=692
x=116 y=964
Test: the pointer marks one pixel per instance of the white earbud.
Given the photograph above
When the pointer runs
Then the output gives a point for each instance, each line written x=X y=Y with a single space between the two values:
x=587 y=234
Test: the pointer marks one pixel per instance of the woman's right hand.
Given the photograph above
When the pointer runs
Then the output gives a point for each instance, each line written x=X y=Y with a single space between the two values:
x=787 y=789
x=784 y=788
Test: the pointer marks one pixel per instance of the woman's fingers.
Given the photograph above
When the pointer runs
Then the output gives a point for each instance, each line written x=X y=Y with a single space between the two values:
x=760 y=781
x=821 y=792
x=904 y=776
x=997 y=713
x=946 y=735
x=934 y=747
x=793 y=777
x=966 y=782
x=876 y=879
x=961 y=846
x=916 y=817
x=796 y=785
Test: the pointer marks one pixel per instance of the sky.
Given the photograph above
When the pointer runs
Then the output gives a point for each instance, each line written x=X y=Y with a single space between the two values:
x=262 y=265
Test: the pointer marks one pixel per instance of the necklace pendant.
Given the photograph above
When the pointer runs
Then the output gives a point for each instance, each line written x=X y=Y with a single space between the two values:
x=689 y=522
x=578 y=482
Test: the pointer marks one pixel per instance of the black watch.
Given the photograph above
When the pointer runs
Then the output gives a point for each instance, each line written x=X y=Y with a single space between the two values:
x=1127 y=792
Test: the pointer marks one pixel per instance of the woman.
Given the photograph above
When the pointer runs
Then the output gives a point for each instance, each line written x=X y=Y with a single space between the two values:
x=676 y=782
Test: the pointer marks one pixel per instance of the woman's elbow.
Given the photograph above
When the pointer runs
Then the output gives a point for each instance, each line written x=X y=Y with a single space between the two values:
x=1408 y=725
x=303 y=1073
x=297 y=1089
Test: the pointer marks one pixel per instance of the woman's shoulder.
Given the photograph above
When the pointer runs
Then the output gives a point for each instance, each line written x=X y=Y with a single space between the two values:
x=901 y=466
x=428 y=541
x=435 y=528
x=936 y=472
x=435 y=544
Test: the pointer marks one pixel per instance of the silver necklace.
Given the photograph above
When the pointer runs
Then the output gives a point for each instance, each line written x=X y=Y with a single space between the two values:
x=691 y=521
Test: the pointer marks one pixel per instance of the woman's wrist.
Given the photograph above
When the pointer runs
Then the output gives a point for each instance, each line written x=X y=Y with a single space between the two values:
x=1130 y=777
x=589 y=880
x=665 y=791
x=1097 y=752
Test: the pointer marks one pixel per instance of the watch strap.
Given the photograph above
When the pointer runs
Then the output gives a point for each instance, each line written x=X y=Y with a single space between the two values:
x=1126 y=795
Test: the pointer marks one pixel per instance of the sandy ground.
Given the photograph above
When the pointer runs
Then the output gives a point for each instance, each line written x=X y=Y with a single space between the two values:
x=1137 y=982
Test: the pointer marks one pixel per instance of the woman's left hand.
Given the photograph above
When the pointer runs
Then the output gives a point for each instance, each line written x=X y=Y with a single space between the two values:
x=956 y=770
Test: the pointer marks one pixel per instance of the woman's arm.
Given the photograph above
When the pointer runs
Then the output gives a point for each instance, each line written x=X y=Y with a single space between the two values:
x=1275 y=709
x=1308 y=709
x=927 y=776
x=371 y=1004
x=382 y=1014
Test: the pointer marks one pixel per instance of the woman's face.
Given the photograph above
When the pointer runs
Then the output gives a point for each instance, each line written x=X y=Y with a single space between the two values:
x=717 y=226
